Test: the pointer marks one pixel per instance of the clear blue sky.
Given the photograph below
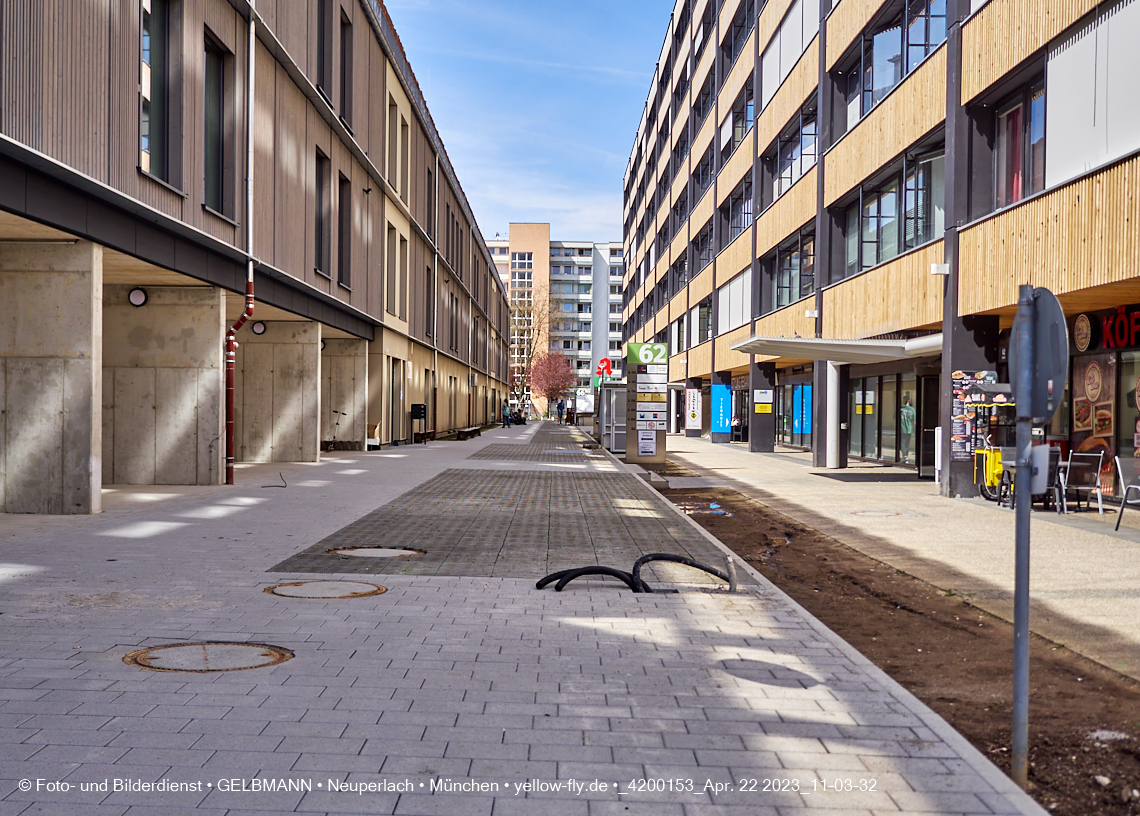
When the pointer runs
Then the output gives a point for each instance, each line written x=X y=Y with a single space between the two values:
x=537 y=102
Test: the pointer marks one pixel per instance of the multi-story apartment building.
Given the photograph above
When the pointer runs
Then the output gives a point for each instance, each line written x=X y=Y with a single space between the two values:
x=164 y=164
x=830 y=204
x=566 y=296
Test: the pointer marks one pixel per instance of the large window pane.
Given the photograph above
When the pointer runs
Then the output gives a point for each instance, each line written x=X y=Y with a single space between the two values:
x=1010 y=159
x=883 y=69
x=871 y=417
x=855 y=423
x=214 y=100
x=888 y=409
x=908 y=414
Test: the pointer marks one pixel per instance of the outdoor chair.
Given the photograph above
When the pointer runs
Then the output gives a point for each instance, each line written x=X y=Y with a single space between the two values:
x=1129 y=472
x=1082 y=475
x=1053 y=490
x=1008 y=468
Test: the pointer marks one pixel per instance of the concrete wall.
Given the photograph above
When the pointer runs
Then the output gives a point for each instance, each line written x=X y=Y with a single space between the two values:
x=51 y=326
x=344 y=387
x=163 y=409
x=277 y=393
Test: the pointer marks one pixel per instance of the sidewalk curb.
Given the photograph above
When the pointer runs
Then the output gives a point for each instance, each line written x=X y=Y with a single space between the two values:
x=967 y=752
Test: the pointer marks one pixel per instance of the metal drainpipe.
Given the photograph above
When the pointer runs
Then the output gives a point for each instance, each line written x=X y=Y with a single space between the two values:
x=231 y=335
x=434 y=215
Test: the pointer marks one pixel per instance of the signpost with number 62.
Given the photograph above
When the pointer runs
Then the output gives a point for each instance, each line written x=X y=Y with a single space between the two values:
x=646 y=402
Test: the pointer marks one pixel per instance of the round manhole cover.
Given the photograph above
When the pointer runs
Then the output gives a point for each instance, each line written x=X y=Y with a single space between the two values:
x=377 y=552
x=886 y=513
x=326 y=590
x=208 y=657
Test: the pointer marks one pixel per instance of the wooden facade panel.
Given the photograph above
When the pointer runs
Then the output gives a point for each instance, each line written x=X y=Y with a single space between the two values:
x=677 y=367
x=790 y=211
x=787 y=322
x=896 y=296
x=294 y=169
x=770 y=18
x=735 y=258
x=738 y=166
x=265 y=159
x=701 y=72
x=700 y=359
x=76 y=92
x=739 y=77
x=793 y=93
x=701 y=286
x=845 y=23
x=679 y=244
x=726 y=358
x=1006 y=32
x=679 y=183
x=292 y=32
x=1075 y=237
x=911 y=111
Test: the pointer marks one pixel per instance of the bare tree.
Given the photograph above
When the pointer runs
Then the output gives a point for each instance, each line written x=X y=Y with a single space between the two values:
x=530 y=333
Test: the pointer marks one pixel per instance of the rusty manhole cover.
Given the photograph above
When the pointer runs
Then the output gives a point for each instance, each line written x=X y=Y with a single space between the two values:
x=208 y=657
x=377 y=552
x=326 y=590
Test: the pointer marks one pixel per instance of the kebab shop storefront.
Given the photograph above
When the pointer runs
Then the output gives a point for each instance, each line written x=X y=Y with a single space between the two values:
x=1105 y=389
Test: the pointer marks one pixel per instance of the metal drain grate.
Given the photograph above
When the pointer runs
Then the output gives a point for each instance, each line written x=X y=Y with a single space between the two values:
x=377 y=552
x=326 y=590
x=210 y=656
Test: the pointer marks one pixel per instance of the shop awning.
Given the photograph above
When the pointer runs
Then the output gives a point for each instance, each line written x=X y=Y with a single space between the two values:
x=843 y=351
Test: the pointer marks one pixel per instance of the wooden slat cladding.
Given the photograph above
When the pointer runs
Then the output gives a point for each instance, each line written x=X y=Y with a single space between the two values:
x=679 y=243
x=701 y=72
x=700 y=359
x=787 y=322
x=912 y=110
x=846 y=22
x=800 y=84
x=1078 y=236
x=896 y=296
x=770 y=18
x=703 y=138
x=738 y=77
x=1005 y=32
x=727 y=12
x=738 y=166
x=679 y=183
x=726 y=358
x=790 y=211
x=736 y=257
x=702 y=212
x=677 y=365
x=22 y=74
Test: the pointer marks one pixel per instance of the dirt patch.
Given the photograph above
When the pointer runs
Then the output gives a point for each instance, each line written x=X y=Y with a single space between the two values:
x=1084 y=719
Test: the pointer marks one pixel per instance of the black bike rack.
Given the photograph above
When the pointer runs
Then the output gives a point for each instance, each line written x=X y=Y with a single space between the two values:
x=631 y=579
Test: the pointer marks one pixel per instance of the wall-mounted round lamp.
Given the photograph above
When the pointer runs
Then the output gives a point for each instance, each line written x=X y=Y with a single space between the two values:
x=322 y=345
x=258 y=327
x=137 y=296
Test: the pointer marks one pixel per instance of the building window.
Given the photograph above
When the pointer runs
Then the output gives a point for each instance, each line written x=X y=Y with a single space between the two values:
x=704 y=100
x=795 y=269
x=736 y=212
x=703 y=173
x=522 y=260
x=393 y=143
x=681 y=148
x=925 y=30
x=738 y=32
x=700 y=322
x=924 y=197
x=737 y=123
x=880 y=224
x=390 y=283
x=734 y=302
x=157 y=90
x=345 y=70
x=344 y=233
x=788 y=43
x=429 y=301
x=703 y=246
x=325 y=48
x=795 y=152
x=321 y=237
x=1019 y=154
x=214 y=116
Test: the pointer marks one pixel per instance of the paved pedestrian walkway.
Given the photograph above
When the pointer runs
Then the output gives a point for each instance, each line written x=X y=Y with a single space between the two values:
x=1085 y=578
x=461 y=689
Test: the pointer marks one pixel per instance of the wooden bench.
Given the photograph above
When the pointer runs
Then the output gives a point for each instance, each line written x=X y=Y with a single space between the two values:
x=468 y=433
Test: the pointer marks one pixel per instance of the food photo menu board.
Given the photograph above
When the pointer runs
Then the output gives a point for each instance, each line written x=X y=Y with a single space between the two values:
x=1094 y=411
x=963 y=415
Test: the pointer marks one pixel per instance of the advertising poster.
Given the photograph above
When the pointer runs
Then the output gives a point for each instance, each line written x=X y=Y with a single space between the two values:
x=692 y=409
x=963 y=415
x=1094 y=411
x=721 y=408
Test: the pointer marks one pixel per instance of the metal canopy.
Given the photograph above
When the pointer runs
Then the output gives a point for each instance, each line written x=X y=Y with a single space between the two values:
x=843 y=351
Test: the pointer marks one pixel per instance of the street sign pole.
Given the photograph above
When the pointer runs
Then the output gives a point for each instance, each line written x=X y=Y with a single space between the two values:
x=1023 y=384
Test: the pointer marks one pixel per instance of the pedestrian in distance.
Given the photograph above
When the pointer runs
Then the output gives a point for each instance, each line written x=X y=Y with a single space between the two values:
x=506 y=415
x=906 y=426
x=561 y=410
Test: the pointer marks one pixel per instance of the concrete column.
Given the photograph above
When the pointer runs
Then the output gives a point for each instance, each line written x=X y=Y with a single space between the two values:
x=51 y=371
x=835 y=399
x=344 y=394
x=721 y=408
x=762 y=423
x=277 y=393
x=163 y=411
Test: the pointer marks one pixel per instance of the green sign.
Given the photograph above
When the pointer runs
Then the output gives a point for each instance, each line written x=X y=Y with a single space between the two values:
x=647 y=353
